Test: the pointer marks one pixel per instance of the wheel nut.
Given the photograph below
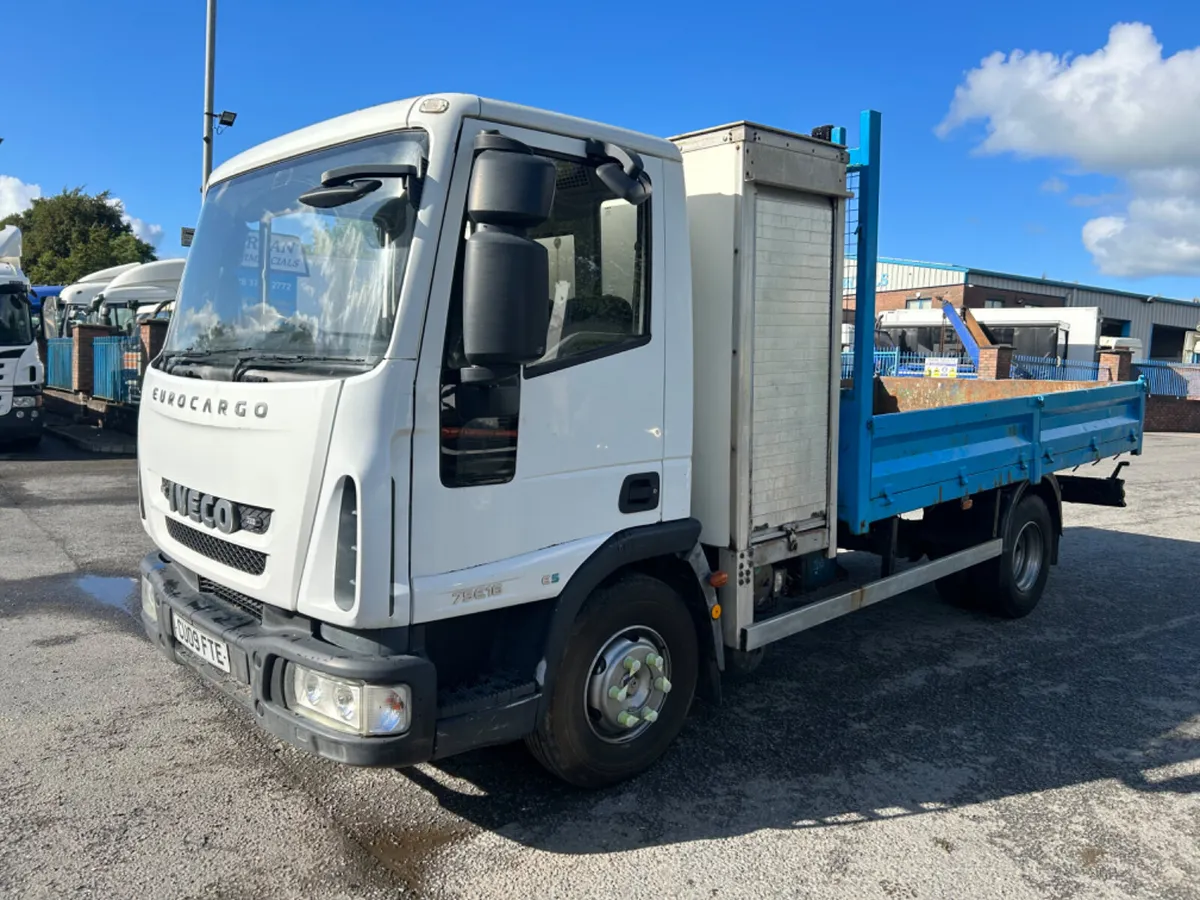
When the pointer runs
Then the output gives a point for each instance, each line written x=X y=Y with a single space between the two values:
x=627 y=719
x=649 y=716
x=662 y=684
x=633 y=665
x=654 y=661
x=618 y=693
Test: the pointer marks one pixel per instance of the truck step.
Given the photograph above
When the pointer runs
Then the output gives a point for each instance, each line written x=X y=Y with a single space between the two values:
x=497 y=689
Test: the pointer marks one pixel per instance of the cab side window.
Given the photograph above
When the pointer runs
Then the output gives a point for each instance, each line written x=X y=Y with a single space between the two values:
x=599 y=251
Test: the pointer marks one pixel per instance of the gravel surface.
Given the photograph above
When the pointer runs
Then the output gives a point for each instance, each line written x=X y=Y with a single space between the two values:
x=911 y=751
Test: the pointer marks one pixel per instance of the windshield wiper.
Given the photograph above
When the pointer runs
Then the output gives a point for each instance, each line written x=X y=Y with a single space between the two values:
x=172 y=357
x=285 y=361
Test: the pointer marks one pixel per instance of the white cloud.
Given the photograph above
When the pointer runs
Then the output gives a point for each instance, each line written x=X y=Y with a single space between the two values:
x=1124 y=111
x=147 y=231
x=15 y=195
x=1054 y=185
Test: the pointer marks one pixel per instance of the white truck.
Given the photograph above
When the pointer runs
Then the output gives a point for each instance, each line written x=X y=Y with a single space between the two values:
x=477 y=423
x=21 y=373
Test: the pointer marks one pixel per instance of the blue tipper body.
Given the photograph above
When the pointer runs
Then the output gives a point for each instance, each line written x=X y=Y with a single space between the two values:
x=895 y=463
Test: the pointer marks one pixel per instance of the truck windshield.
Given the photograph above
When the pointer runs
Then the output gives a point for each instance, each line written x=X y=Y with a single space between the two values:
x=15 y=326
x=326 y=287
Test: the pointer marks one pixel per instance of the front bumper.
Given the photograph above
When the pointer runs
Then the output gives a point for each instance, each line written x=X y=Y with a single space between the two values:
x=258 y=653
x=17 y=424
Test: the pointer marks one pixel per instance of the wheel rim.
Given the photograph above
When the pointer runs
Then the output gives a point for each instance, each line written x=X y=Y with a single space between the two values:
x=629 y=684
x=1027 y=556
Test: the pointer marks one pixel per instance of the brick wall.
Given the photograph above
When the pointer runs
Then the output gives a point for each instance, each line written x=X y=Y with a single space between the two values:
x=885 y=300
x=995 y=362
x=960 y=295
x=153 y=333
x=1172 y=414
x=81 y=356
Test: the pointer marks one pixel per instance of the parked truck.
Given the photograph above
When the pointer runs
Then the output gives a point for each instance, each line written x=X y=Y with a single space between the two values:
x=21 y=372
x=477 y=423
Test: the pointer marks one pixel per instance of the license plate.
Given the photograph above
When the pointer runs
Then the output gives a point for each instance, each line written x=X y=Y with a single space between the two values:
x=204 y=645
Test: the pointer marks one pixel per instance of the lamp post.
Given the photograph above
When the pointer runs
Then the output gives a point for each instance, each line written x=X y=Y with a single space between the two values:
x=210 y=54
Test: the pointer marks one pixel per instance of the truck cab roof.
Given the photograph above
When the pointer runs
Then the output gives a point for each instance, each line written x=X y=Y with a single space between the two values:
x=418 y=112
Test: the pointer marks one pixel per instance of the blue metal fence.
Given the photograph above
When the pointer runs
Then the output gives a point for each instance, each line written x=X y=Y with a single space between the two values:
x=912 y=365
x=116 y=368
x=1043 y=368
x=1166 y=379
x=58 y=363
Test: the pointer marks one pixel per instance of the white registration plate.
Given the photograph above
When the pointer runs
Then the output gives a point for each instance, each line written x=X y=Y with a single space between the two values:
x=204 y=645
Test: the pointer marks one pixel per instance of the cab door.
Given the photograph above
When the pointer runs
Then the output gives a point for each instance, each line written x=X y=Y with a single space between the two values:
x=527 y=477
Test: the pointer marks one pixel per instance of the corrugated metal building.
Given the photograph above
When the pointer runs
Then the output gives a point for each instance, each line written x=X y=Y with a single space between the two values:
x=1160 y=323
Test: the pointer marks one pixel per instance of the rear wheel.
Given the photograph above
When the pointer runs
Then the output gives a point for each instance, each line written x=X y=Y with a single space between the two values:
x=1011 y=584
x=624 y=686
x=1016 y=579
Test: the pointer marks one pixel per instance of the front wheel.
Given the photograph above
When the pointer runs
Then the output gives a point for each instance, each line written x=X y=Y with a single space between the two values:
x=626 y=681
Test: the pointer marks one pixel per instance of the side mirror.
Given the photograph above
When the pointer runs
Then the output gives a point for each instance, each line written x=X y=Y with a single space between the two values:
x=506 y=275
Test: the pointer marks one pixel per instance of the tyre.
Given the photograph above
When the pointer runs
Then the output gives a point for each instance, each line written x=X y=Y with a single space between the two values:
x=624 y=686
x=1010 y=585
x=1013 y=583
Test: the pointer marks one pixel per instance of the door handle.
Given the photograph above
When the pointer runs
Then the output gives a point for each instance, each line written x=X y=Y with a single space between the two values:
x=639 y=493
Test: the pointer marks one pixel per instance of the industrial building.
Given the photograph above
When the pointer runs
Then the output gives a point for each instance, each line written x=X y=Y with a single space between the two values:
x=1161 y=324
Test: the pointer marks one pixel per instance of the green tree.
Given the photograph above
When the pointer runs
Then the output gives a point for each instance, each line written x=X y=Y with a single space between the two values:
x=73 y=234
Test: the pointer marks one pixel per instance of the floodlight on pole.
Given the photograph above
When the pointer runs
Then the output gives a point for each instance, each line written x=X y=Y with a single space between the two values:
x=210 y=54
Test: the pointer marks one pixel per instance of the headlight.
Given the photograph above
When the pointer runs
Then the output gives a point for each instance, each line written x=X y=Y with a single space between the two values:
x=349 y=705
x=149 y=607
x=26 y=402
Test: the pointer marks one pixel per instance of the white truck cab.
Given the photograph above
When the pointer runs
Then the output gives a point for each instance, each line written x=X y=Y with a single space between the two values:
x=476 y=422
x=21 y=373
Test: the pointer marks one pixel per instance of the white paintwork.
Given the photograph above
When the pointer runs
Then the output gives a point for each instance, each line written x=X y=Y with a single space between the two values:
x=27 y=368
x=582 y=429
x=712 y=184
x=10 y=245
x=793 y=271
x=149 y=283
x=274 y=462
x=675 y=300
x=763 y=290
x=406 y=113
x=520 y=579
x=86 y=288
x=685 y=394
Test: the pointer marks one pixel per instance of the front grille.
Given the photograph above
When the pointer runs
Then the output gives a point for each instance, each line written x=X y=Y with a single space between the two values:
x=252 y=562
x=233 y=598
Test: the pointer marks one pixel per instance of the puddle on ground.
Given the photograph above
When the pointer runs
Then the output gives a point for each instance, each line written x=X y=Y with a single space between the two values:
x=115 y=592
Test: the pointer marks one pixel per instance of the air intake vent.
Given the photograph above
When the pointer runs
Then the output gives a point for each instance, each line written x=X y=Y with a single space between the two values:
x=252 y=562
x=233 y=598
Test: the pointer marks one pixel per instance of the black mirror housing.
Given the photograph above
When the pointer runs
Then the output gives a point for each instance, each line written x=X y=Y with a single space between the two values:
x=506 y=275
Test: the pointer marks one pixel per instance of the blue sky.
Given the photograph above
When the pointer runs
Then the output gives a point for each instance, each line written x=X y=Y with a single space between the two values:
x=108 y=95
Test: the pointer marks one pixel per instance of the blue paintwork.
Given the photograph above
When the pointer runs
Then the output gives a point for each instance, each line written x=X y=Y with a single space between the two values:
x=854 y=461
x=928 y=456
x=900 y=462
x=964 y=334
